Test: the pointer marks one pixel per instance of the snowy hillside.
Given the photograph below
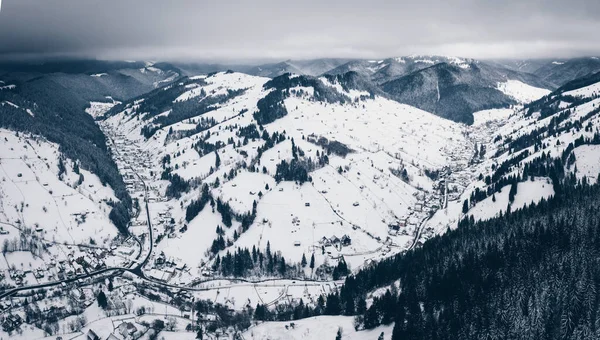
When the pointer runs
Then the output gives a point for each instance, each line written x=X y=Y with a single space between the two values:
x=54 y=215
x=367 y=160
x=552 y=137
x=316 y=328
x=63 y=207
x=522 y=92
x=253 y=199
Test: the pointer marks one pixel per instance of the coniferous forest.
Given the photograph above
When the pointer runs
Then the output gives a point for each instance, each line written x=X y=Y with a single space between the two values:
x=533 y=273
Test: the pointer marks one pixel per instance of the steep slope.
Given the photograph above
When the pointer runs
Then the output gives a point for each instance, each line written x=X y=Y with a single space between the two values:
x=481 y=267
x=45 y=192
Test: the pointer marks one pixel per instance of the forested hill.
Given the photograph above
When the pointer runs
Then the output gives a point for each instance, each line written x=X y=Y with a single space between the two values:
x=530 y=274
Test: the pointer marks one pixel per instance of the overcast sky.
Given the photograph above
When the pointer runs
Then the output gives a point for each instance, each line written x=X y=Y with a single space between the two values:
x=233 y=31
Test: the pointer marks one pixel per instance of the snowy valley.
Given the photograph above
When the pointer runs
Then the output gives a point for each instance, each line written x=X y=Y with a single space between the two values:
x=255 y=198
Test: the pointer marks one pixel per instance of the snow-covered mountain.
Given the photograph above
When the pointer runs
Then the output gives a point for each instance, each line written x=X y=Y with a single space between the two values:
x=556 y=71
x=311 y=67
x=265 y=191
x=384 y=70
x=321 y=157
x=455 y=91
x=90 y=80
x=561 y=71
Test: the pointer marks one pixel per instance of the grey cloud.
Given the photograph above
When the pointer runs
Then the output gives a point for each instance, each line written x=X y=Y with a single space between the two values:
x=277 y=29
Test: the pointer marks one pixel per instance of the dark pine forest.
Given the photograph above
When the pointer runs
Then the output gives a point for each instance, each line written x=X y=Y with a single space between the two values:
x=533 y=273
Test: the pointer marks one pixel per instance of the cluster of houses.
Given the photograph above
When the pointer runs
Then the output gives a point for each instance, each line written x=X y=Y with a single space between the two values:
x=334 y=241
x=11 y=322
x=165 y=268
x=125 y=331
x=425 y=205
x=76 y=261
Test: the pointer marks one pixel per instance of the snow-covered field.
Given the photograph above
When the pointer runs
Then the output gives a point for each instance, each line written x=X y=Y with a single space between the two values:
x=361 y=202
x=316 y=328
x=404 y=179
x=486 y=116
x=33 y=196
x=527 y=192
x=587 y=161
x=97 y=109
x=523 y=93
x=588 y=91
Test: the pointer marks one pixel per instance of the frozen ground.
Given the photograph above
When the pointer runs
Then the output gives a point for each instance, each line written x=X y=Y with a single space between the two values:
x=522 y=92
x=587 y=161
x=316 y=328
x=33 y=196
x=588 y=91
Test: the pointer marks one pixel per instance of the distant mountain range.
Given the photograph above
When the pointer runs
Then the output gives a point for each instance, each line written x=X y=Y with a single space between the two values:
x=450 y=87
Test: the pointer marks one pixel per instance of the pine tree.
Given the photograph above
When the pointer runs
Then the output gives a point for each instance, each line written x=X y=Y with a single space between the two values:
x=303 y=262
x=512 y=193
x=282 y=266
x=465 y=208
x=339 y=334
x=312 y=261
x=217 y=160
x=361 y=306
x=102 y=301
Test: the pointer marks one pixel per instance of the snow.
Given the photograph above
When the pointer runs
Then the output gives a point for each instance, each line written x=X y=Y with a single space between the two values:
x=28 y=169
x=587 y=161
x=219 y=83
x=6 y=102
x=521 y=92
x=588 y=91
x=425 y=61
x=98 y=109
x=353 y=94
x=487 y=116
x=315 y=328
x=241 y=192
x=98 y=75
x=527 y=192
x=154 y=69
x=8 y=87
x=362 y=202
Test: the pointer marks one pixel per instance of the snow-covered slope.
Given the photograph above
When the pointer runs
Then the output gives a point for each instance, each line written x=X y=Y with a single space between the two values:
x=586 y=92
x=393 y=175
x=63 y=208
x=316 y=328
x=379 y=184
x=522 y=92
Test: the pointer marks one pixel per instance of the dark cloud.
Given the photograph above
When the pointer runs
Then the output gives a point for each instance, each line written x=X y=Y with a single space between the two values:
x=277 y=29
